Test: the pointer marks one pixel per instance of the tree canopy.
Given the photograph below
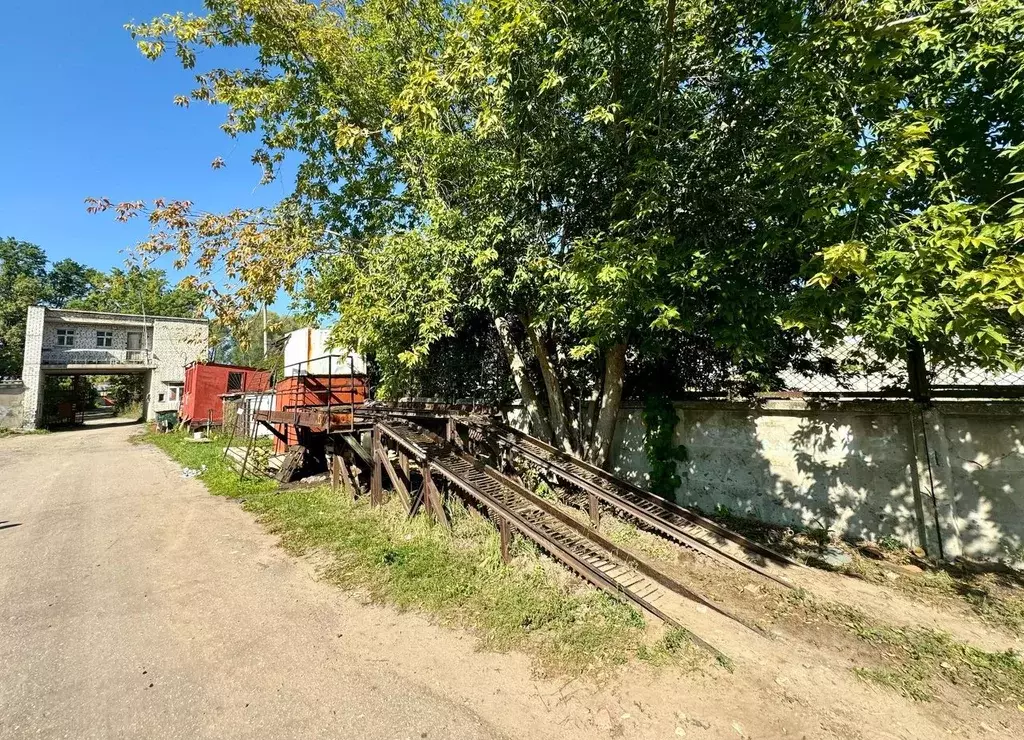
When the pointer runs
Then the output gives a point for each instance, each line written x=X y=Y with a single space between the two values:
x=140 y=290
x=26 y=281
x=620 y=194
x=241 y=343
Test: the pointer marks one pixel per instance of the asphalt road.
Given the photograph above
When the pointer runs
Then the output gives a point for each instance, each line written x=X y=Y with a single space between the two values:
x=135 y=604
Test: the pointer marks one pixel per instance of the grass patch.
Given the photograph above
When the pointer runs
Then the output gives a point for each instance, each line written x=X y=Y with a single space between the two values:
x=529 y=604
x=4 y=432
x=997 y=598
x=131 y=411
x=914 y=659
x=1000 y=606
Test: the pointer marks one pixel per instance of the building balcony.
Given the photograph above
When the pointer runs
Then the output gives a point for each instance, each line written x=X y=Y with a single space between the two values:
x=75 y=357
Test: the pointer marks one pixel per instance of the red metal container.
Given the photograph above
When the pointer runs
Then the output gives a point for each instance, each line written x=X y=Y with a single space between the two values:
x=206 y=382
x=339 y=392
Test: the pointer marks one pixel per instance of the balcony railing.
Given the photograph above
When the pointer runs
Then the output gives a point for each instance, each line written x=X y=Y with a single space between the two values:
x=94 y=356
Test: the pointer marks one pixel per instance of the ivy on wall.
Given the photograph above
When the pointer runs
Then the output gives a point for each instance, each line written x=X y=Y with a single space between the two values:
x=663 y=454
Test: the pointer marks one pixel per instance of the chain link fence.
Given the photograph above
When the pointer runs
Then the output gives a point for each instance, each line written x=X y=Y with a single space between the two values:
x=852 y=369
x=848 y=368
x=974 y=382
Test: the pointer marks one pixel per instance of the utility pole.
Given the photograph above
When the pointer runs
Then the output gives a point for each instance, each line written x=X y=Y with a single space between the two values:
x=265 y=347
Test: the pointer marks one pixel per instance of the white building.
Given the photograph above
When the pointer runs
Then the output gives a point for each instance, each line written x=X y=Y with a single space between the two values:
x=308 y=352
x=70 y=342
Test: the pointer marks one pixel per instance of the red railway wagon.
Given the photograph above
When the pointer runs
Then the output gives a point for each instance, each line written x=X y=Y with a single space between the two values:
x=205 y=382
x=316 y=391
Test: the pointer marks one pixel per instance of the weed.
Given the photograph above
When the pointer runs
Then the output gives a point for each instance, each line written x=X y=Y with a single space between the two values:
x=4 y=432
x=915 y=658
x=131 y=411
x=911 y=683
x=891 y=544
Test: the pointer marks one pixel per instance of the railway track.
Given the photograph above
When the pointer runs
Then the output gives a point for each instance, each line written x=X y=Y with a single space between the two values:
x=675 y=522
x=580 y=548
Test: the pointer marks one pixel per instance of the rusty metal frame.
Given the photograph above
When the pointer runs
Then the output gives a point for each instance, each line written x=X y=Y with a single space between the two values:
x=583 y=569
x=665 y=527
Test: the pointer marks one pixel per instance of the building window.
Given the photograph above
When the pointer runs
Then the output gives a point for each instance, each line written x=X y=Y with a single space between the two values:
x=235 y=381
x=65 y=337
x=174 y=393
x=104 y=339
x=160 y=397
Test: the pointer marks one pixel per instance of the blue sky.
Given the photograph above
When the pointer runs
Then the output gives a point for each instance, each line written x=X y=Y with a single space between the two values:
x=85 y=114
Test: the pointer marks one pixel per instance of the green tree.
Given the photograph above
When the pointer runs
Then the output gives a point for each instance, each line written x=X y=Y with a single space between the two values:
x=629 y=193
x=22 y=284
x=69 y=281
x=242 y=342
x=25 y=281
x=140 y=291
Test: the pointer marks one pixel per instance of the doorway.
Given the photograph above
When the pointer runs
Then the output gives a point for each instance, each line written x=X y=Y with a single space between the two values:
x=134 y=347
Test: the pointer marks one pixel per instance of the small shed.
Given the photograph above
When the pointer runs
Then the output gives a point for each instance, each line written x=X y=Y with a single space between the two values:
x=206 y=382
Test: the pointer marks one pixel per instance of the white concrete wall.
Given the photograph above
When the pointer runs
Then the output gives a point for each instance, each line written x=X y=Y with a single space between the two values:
x=175 y=345
x=12 y=405
x=864 y=470
x=31 y=369
x=85 y=351
x=982 y=448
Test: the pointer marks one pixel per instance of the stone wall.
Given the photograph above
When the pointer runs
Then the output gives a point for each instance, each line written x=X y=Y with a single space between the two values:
x=948 y=478
x=12 y=405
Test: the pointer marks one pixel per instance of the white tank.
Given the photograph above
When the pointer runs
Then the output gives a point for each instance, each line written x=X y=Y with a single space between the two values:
x=307 y=352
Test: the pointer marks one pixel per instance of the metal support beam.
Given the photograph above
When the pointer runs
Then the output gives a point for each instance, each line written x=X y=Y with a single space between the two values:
x=335 y=469
x=376 y=472
x=594 y=509
x=506 y=537
x=433 y=497
x=396 y=481
x=346 y=477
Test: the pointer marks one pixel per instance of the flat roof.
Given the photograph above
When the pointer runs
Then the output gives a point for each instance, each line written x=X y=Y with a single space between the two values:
x=123 y=315
x=227 y=365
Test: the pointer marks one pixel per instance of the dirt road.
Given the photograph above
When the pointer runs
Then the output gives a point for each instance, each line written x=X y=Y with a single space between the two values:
x=135 y=604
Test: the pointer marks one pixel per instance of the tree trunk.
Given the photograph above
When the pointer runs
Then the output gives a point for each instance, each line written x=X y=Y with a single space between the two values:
x=610 y=402
x=573 y=407
x=560 y=428
x=539 y=424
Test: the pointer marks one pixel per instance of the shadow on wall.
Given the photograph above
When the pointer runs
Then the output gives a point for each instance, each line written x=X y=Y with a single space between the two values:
x=985 y=455
x=851 y=470
x=12 y=405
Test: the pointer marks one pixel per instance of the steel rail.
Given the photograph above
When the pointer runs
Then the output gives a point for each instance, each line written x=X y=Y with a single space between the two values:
x=563 y=554
x=558 y=462
x=447 y=464
x=645 y=567
x=641 y=564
